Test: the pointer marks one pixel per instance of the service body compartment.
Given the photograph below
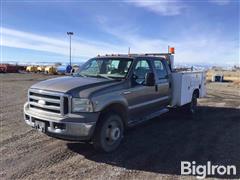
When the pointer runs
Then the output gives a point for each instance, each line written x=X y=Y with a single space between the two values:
x=183 y=85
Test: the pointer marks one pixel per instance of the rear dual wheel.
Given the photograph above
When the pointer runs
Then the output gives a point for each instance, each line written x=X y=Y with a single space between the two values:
x=191 y=107
x=193 y=104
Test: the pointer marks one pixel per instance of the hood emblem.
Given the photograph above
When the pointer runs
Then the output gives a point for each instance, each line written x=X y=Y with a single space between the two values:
x=42 y=102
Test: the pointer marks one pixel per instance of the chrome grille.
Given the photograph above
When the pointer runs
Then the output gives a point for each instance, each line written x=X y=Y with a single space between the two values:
x=48 y=102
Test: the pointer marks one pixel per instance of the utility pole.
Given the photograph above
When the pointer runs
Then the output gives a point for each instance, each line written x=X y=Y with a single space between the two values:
x=70 y=58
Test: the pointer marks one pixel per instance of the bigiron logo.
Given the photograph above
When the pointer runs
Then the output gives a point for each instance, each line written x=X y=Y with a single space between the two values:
x=209 y=169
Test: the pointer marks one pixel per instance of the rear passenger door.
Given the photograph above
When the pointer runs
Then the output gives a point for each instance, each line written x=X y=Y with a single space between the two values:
x=162 y=81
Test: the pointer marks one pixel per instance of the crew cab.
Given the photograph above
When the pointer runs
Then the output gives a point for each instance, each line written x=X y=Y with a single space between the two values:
x=109 y=94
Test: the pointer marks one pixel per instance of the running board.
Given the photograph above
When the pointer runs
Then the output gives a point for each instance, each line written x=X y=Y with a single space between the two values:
x=146 y=118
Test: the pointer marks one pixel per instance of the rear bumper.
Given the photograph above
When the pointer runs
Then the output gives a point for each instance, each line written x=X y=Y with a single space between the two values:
x=69 y=127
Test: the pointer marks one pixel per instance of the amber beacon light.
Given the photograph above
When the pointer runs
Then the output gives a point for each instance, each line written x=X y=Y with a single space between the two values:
x=171 y=50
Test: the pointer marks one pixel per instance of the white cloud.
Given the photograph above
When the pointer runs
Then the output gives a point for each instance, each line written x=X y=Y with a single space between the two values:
x=162 y=7
x=80 y=47
x=220 y=2
x=204 y=48
x=208 y=49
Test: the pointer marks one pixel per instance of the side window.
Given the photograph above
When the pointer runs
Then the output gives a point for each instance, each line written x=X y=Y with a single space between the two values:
x=160 y=69
x=141 y=69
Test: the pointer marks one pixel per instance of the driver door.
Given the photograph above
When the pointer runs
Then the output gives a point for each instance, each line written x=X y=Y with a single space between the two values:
x=141 y=98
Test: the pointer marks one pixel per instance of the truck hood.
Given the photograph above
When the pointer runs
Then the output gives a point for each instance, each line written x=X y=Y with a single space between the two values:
x=67 y=84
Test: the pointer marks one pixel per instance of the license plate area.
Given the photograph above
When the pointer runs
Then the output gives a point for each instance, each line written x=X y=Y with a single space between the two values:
x=40 y=126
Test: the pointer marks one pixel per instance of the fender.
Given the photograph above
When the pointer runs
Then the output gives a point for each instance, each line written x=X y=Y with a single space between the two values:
x=103 y=101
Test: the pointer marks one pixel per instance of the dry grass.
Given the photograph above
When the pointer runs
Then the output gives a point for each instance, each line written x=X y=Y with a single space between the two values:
x=233 y=76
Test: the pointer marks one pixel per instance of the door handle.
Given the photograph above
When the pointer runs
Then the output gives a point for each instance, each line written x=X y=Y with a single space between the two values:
x=127 y=92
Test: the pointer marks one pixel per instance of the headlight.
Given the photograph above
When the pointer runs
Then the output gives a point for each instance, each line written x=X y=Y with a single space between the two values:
x=81 y=105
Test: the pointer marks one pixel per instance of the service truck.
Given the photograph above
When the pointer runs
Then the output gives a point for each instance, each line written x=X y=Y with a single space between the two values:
x=109 y=94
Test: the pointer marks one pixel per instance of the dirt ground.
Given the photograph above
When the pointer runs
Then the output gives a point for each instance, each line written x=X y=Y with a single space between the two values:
x=152 y=150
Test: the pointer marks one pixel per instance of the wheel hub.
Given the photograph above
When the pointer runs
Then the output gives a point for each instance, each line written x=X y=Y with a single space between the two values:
x=115 y=133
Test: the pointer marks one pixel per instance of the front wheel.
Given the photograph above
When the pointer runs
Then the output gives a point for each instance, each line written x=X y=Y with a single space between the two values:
x=108 y=133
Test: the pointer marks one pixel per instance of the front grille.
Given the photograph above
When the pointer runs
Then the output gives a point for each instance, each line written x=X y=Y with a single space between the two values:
x=48 y=102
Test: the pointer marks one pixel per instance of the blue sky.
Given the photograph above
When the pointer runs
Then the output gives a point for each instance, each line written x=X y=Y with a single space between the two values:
x=203 y=32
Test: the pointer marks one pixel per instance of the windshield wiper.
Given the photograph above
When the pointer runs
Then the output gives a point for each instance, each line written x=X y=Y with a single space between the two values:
x=103 y=76
x=78 y=74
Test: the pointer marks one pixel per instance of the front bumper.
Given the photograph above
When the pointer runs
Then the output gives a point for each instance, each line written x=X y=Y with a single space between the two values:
x=69 y=127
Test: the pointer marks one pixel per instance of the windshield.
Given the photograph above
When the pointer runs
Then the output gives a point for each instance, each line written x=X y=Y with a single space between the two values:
x=114 y=68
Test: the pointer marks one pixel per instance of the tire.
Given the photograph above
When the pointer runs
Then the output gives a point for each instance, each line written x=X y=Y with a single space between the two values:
x=108 y=133
x=191 y=107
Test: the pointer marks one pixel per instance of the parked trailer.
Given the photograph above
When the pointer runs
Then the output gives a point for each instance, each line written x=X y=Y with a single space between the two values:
x=40 y=69
x=7 y=68
x=61 y=69
x=67 y=69
x=31 y=69
x=50 y=70
x=21 y=68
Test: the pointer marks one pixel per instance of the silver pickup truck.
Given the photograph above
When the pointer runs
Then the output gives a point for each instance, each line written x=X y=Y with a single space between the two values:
x=109 y=94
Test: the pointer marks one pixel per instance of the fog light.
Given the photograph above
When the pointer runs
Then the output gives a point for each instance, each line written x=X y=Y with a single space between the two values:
x=59 y=126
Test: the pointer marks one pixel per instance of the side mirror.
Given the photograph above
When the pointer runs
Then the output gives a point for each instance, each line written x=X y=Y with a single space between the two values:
x=149 y=79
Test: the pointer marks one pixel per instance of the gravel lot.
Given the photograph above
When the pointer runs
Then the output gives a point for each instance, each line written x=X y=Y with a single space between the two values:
x=152 y=150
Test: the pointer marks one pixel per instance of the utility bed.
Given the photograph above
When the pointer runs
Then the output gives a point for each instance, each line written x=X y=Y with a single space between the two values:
x=184 y=83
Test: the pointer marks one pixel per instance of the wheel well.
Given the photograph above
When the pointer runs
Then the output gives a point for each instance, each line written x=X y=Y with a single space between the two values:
x=116 y=108
x=196 y=91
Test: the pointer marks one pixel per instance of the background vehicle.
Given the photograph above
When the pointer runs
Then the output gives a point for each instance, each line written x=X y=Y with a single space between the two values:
x=8 y=68
x=61 y=69
x=64 y=69
x=40 y=69
x=109 y=94
x=31 y=69
x=50 y=70
x=75 y=68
